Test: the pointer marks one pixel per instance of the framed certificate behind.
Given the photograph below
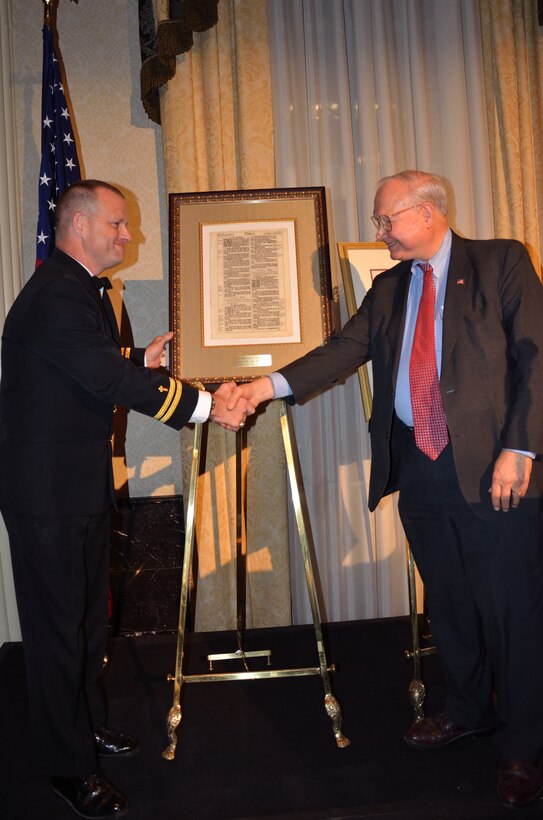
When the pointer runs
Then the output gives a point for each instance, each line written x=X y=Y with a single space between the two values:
x=360 y=263
x=250 y=285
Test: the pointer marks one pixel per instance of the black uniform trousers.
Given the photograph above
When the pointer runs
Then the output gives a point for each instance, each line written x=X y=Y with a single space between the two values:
x=61 y=570
x=484 y=585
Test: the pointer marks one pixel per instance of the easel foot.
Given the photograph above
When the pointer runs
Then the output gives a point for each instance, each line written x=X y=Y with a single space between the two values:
x=417 y=694
x=174 y=719
x=333 y=710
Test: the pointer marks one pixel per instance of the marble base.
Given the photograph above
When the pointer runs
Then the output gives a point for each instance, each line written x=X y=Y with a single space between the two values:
x=147 y=544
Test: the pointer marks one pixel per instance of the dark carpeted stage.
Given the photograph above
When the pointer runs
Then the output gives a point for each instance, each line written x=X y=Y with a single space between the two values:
x=265 y=748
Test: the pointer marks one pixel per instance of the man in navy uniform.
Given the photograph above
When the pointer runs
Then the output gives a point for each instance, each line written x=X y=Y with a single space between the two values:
x=63 y=372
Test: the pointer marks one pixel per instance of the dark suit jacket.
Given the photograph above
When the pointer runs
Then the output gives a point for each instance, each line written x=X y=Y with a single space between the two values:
x=491 y=370
x=62 y=374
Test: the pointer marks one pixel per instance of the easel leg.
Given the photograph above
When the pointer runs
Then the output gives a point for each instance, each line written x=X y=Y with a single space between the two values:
x=241 y=565
x=174 y=715
x=417 y=689
x=331 y=705
x=241 y=545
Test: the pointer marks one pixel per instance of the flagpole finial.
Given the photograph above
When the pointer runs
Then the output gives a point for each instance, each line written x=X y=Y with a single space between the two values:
x=49 y=12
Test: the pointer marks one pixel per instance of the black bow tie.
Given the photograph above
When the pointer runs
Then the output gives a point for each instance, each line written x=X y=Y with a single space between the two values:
x=101 y=282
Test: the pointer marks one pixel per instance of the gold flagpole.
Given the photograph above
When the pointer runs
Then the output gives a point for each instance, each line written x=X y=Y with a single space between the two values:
x=50 y=12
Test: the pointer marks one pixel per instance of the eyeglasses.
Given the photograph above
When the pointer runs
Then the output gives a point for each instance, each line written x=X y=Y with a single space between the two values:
x=384 y=223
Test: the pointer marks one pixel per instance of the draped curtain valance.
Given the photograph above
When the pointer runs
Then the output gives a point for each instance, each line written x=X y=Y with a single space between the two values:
x=166 y=30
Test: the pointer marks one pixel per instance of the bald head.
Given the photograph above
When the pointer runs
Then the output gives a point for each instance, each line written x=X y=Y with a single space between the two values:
x=91 y=224
x=81 y=196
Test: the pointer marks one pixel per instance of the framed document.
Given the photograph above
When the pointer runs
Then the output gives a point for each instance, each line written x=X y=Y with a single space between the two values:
x=250 y=285
x=360 y=263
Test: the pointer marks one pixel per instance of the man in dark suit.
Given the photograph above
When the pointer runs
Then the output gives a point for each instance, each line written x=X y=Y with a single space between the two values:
x=457 y=428
x=63 y=372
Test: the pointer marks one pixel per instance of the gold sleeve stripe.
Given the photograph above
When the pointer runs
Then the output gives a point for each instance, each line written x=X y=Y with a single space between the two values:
x=125 y=352
x=172 y=400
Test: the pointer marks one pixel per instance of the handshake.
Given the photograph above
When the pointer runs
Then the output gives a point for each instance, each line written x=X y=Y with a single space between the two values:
x=234 y=402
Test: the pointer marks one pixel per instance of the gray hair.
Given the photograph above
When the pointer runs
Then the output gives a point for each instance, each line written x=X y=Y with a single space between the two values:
x=423 y=187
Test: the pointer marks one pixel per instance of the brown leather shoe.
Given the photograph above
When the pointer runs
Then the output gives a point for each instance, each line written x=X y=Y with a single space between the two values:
x=93 y=796
x=520 y=782
x=434 y=733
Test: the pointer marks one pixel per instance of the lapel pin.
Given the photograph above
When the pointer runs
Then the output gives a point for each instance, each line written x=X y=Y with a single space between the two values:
x=460 y=282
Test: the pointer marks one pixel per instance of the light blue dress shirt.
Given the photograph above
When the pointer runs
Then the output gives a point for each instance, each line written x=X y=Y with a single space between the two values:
x=440 y=268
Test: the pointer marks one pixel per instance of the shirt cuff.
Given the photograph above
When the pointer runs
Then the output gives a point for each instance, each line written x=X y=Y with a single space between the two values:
x=203 y=408
x=521 y=452
x=281 y=388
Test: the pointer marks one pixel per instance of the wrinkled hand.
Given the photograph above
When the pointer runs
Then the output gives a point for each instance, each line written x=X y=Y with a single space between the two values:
x=253 y=392
x=155 y=353
x=230 y=417
x=510 y=480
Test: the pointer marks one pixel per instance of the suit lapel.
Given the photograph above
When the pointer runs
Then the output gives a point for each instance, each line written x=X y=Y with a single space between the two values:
x=110 y=316
x=104 y=302
x=456 y=293
x=397 y=320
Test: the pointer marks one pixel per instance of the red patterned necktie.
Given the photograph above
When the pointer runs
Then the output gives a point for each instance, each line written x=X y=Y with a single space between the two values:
x=431 y=435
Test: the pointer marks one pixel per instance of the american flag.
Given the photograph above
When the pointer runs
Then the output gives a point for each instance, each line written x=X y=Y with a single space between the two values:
x=59 y=163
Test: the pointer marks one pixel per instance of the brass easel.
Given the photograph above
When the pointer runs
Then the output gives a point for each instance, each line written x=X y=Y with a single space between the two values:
x=331 y=705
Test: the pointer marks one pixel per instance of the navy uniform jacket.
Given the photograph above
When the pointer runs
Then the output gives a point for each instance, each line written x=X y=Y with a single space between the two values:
x=63 y=371
x=491 y=378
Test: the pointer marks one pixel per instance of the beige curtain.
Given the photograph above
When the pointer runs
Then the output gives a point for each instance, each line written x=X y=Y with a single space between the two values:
x=217 y=130
x=10 y=273
x=364 y=88
x=513 y=65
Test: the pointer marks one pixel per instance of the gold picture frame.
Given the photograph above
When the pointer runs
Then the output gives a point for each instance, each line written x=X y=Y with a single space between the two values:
x=250 y=282
x=360 y=263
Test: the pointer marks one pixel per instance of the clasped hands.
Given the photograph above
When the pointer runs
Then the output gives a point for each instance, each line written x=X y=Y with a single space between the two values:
x=233 y=402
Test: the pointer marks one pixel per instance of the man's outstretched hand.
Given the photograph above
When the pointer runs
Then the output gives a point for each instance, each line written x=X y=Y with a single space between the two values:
x=253 y=393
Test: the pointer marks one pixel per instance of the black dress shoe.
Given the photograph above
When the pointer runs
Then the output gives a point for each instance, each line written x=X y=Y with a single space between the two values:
x=93 y=796
x=520 y=782
x=434 y=733
x=112 y=743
